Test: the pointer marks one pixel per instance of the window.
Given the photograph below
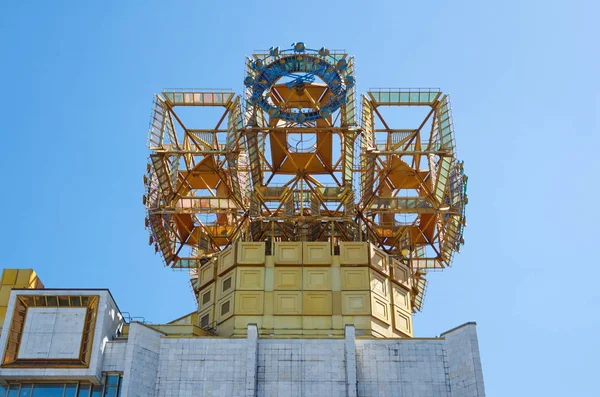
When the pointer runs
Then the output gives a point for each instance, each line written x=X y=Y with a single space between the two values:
x=227 y=284
x=225 y=308
x=206 y=298
x=110 y=388
x=204 y=321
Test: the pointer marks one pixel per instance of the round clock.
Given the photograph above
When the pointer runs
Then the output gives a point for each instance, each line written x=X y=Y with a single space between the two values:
x=299 y=66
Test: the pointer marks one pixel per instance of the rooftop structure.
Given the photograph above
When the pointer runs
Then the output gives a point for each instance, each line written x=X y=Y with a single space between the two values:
x=301 y=208
x=307 y=235
x=77 y=343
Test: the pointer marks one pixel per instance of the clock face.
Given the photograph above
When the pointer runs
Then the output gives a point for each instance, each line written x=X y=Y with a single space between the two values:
x=296 y=69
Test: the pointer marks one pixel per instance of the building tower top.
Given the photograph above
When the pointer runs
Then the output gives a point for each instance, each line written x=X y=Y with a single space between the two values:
x=291 y=213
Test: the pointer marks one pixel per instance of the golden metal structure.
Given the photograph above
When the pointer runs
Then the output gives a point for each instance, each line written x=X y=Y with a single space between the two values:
x=257 y=176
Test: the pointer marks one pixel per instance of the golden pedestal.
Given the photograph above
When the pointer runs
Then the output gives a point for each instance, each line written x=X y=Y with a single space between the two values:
x=304 y=290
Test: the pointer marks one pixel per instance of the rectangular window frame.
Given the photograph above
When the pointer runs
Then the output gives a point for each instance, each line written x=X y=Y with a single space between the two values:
x=82 y=389
x=17 y=325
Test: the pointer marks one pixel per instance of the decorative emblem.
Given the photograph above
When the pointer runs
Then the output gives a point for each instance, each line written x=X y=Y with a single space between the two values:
x=300 y=66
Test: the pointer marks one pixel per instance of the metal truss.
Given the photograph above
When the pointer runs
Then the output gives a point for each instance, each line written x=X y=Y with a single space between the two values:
x=194 y=180
x=255 y=176
x=413 y=189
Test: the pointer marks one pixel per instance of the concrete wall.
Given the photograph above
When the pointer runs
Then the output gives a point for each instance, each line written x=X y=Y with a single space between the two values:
x=109 y=323
x=52 y=332
x=412 y=368
x=159 y=366
x=464 y=362
x=114 y=356
x=141 y=361
x=301 y=367
x=202 y=366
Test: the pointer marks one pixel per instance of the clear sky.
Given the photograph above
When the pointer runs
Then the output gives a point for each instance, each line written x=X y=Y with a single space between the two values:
x=78 y=80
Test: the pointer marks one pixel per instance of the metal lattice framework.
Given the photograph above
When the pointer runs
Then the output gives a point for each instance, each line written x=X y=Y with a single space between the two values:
x=194 y=179
x=284 y=164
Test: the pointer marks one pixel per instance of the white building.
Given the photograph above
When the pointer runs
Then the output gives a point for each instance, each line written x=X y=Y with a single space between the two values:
x=76 y=343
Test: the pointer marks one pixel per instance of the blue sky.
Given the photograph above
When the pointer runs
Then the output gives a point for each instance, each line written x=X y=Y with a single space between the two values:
x=78 y=81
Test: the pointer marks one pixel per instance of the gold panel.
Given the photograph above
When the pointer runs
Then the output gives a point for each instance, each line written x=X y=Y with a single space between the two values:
x=317 y=303
x=354 y=253
x=206 y=318
x=289 y=278
x=401 y=297
x=226 y=284
x=380 y=309
x=225 y=308
x=381 y=329
x=317 y=253
x=9 y=276
x=401 y=274
x=355 y=278
x=356 y=303
x=26 y=278
x=317 y=322
x=322 y=333
x=288 y=253
x=250 y=253
x=267 y=321
x=23 y=278
x=249 y=302
x=378 y=260
x=241 y=323
x=250 y=278
x=287 y=322
x=226 y=260
x=335 y=261
x=380 y=285
x=317 y=278
x=336 y=297
x=226 y=327
x=288 y=302
x=403 y=322
x=360 y=322
x=206 y=297
x=207 y=273
x=37 y=283
x=5 y=294
x=337 y=321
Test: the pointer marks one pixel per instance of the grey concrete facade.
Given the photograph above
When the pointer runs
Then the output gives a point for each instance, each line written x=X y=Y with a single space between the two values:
x=159 y=366
x=154 y=364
